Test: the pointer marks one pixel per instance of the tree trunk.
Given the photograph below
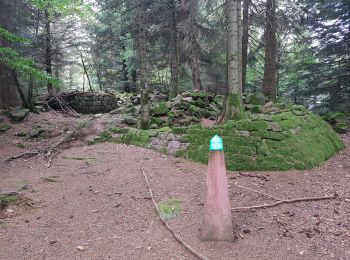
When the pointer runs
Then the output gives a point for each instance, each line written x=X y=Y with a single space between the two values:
x=189 y=9
x=269 y=88
x=233 y=107
x=8 y=92
x=48 y=51
x=85 y=69
x=20 y=92
x=174 y=79
x=145 y=117
x=245 y=40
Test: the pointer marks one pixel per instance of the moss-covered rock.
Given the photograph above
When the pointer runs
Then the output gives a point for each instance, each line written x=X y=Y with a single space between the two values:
x=338 y=120
x=161 y=109
x=18 y=115
x=4 y=127
x=267 y=147
x=255 y=99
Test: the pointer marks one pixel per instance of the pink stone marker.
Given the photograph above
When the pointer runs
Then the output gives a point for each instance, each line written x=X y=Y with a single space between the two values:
x=217 y=220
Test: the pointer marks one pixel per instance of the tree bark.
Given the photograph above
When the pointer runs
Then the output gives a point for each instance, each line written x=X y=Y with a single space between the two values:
x=8 y=92
x=48 y=51
x=189 y=10
x=145 y=116
x=233 y=107
x=245 y=40
x=85 y=69
x=269 y=88
x=174 y=78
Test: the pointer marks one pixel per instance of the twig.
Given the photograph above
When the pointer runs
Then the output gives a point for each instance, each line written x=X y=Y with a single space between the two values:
x=255 y=191
x=22 y=155
x=50 y=159
x=334 y=196
x=176 y=236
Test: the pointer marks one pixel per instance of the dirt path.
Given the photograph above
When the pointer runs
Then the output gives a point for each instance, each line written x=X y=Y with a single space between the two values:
x=100 y=203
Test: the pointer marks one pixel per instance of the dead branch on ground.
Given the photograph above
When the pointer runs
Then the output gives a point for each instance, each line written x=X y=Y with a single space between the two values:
x=22 y=155
x=176 y=236
x=286 y=201
x=59 y=100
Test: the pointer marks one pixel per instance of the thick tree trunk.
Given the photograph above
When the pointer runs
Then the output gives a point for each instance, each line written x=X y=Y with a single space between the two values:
x=233 y=107
x=174 y=78
x=270 y=70
x=8 y=90
x=245 y=40
x=145 y=117
x=48 y=51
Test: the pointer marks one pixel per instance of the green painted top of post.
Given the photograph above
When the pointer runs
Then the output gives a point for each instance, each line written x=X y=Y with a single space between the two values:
x=216 y=143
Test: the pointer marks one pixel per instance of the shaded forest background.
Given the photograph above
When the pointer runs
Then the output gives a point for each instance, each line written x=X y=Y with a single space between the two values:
x=51 y=46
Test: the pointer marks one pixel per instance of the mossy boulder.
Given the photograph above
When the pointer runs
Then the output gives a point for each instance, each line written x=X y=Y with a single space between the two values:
x=4 y=127
x=291 y=141
x=161 y=109
x=255 y=99
x=338 y=120
x=18 y=115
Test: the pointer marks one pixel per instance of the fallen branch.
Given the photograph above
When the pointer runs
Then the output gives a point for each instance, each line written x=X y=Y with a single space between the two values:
x=51 y=157
x=334 y=196
x=22 y=155
x=176 y=236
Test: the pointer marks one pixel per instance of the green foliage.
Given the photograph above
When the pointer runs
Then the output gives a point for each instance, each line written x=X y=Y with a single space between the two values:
x=6 y=35
x=26 y=67
x=63 y=7
x=6 y=200
x=161 y=109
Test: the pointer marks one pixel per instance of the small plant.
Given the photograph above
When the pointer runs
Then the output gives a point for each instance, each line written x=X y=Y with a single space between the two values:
x=20 y=145
x=170 y=209
x=7 y=199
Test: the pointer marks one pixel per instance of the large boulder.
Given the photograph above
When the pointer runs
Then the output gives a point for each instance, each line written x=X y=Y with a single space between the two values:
x=18 y=115
x=284 y=140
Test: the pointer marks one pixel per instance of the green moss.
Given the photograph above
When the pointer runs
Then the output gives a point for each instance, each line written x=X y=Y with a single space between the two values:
x=195 y=111
x=258 y=125
x=255 y=99
x=179 y=130
x=341 y=127
x=243 y=125
x=314 y=143
x=161 y=109
x=235 y=108
x=118 y=130
x=4 y=127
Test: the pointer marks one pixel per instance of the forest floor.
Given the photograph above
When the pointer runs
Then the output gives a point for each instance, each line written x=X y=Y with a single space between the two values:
x=93 y=203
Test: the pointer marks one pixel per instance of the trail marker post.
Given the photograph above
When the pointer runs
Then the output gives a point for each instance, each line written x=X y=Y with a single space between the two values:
x=217 y=220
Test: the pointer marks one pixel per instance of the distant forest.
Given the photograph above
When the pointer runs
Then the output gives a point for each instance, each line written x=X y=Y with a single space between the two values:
x=296 y=51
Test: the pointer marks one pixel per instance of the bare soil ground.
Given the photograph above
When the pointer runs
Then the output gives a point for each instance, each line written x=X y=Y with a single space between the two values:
x=93 y=203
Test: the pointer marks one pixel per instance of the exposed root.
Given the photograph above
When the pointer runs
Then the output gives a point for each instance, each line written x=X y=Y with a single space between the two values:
x=22 y=155
x=176 y=236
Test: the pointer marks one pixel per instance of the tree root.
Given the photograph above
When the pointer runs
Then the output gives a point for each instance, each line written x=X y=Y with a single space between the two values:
x=176 y=236
x=279 y=202
x=22 y=155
